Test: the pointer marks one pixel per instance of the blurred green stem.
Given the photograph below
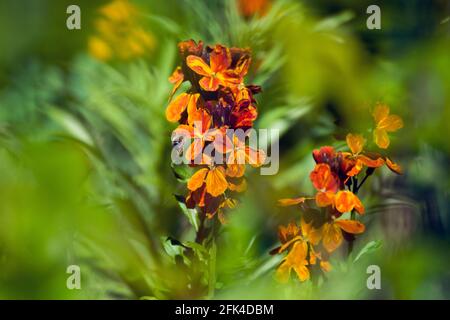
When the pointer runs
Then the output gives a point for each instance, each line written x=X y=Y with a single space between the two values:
x=355 y=188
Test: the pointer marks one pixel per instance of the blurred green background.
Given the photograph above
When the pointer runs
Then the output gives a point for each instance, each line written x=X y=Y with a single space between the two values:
x=85 y=171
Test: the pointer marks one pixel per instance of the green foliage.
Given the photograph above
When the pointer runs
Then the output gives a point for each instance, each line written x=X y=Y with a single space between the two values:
x=86 y=175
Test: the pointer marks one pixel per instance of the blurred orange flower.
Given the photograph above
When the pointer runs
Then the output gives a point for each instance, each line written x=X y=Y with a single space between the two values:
x=384 y=123
x=249 y=8
x=356 y=143
x=332 y=232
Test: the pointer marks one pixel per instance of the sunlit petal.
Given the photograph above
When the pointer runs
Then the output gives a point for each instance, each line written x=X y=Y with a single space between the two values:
x=198 y=65
x=381 y=138
x=197 y=179
x=350 y=226
x=216 y=183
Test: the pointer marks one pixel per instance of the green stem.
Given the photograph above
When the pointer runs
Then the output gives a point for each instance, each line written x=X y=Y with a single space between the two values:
x=353 y=213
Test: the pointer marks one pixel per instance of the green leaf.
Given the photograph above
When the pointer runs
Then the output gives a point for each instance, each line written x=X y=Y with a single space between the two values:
x=181 y=172
x=369 y=248
x=173 y=247
x=191 y=214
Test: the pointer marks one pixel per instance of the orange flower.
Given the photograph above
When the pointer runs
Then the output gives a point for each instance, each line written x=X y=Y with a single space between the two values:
x=323 y=178
x=332 y=232
x=287 y=234
x=290 y=234
x=300 y=240
x=384 y=123
x=212 y=177
x=356 y=143
x=360 y=159
x=343 y=201
x=239 y=153
x=296 y=259
x=176 y=108
x=217 y=72
x=200 y=132
x=249 y=8
x=327 y=184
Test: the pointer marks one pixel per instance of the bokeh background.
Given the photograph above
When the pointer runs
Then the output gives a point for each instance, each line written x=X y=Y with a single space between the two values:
x=85 y=171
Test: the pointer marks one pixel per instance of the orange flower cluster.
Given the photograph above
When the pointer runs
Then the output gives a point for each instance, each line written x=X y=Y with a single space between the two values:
x=335 y=177
x=216 y=105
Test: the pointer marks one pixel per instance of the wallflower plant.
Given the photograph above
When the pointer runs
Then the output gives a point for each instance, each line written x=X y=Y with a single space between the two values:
x=335 y=177
x=213 y=117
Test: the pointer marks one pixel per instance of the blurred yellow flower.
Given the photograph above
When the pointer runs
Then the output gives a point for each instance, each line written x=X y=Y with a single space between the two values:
x=119 y=34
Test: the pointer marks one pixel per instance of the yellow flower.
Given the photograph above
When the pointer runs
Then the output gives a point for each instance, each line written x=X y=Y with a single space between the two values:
x=119 y=34
x=384 y=123
x=99 y=48
x=300 y=240
x=296 y=259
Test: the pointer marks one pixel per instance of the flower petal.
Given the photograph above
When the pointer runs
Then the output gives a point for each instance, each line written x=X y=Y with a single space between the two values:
x=291 y=202
x=394 y=166
x=193 y=112
x=356 y=169
x=381 y=112
x=176 y=107
x=255 y=158
x=302 y=272
x=288 y=233
x=198 y=65
x=209 y=83
x=325 y=199
x=325 y=266
x=176 y=79
x=184 y=131
x=298 y=253
x=351 y=226
x=391 y=123
x=323 y=179
x=324 y=154
x=235 y=170
x=222 y=143
x=242 y=66
x=216 y=183
x=197 y=179
x=312 y=234
x=355 y=142
x=359 y=207
x=238 y=187
x=369 y=162
x=381 y=138
x=331 y=237
x=220 y=58
x=346 y=201
x=195 y=149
